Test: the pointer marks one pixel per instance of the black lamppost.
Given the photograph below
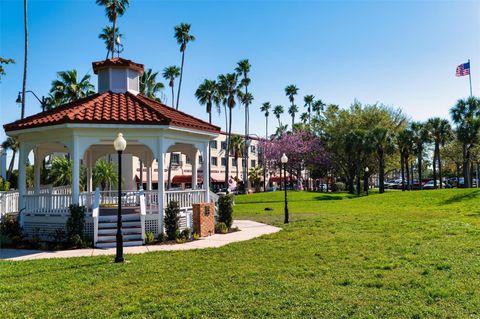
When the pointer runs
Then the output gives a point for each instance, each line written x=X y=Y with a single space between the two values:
x=119 y=144
x=42 y=101
x=284 y=161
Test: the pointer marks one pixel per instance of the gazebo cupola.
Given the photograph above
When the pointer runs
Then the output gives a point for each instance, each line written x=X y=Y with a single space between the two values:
x=118 y=75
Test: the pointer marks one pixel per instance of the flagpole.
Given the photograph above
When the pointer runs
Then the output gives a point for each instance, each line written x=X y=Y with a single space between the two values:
x=470 y=76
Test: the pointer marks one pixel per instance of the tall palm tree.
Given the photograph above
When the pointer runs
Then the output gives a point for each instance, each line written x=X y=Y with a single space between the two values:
x=228 y=85
x=108 y=37
x=66 y=88
x=318 y=106
x=11 y=144
x=183 y=36
x=382 y=140
x=205 y=95
x=113 y=10
x=441 y=132
x=292 y=110
x=465 y=114
x=405 y=146
x=243 y=70
x=149 y=85
x=290 y=91
x=104 y=174
x=237 y=143
x=309 y=99
x=304 y=117
x=170 y=73
x=25 y=57
x=265 y=108
x=421 y=136
x=278 y=111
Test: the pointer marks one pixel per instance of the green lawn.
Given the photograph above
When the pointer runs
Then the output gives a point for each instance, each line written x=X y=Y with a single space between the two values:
x=396 y=255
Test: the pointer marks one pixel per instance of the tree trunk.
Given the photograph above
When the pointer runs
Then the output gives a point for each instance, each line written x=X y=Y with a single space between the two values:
x=25 y=60
x=402 y=164
x=381 y=172
x=113 y=34
x=180 y=80
x=435 y=167
x=228 y=145
x=439 y=168
x=407 y=170
x=173 y=97
x=293 y=122
x=420 y=153
x=10 y=166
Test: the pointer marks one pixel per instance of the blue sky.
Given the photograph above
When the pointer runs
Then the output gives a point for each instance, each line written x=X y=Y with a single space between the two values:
x=400 y=53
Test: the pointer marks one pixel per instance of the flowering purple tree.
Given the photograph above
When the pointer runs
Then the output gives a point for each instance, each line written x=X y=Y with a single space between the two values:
x=304 y=150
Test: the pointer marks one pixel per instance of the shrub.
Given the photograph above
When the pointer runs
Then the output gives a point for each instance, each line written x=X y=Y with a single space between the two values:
x=10 y=229
x=171 y=219
x=58 y=236
x=76 y=224
x=221 y=228
x=186 y=233
x=161 y=237
x=225 y=210
x=149 y=237
x=196 y=236
x=338 y=187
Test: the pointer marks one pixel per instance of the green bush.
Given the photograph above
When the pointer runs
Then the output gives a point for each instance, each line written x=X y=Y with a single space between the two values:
x=186 y=233
x=221 y=228
x=161 y=237
x=10 y=230
x=338 y=187
x=149 y=237
x=76 y=224
x=225 y=210
x=172 y=217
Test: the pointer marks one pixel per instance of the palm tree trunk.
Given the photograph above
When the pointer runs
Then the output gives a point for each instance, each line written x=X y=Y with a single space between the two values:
x=237 y=166
x=381 y=172
x=439 y=167
x=227 y=172
x=173 y=97
x=25 y=59
x=419 y=159
x=293 y=121
x=180 y=80
x=468 y=178
x=113 y=33
x=10 y=166
x=402 y=164
x=465 y=165
x=407 y=170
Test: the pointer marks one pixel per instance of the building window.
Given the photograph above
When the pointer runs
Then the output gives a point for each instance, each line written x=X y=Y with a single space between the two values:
x=253 y=149
x=175 y=159
x=234 y=162
x=224 y=145
x=214 y=161
x=200 y=159
x=253 y=163
x=187 y=160
x=224 y=161
x=213 y=144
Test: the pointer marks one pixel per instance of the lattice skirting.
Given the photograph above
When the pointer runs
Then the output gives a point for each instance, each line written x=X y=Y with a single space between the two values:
x=44 y=228
x=151 y=222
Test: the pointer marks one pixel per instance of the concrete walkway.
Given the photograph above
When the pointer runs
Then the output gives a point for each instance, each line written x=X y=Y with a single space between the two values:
x=248 y=230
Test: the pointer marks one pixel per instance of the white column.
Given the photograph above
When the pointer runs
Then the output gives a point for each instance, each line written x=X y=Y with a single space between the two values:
x=22 y=175
x=75 y=156
x=161 y=185
x=90 y=172
x=37 y=164
x=206 y=173
x=194 y=160
x=149 y=176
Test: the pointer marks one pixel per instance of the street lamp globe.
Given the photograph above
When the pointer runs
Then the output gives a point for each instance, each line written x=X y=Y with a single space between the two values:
x=120 y=144
x=366 y=169
x=284 y=159
x=19 y=98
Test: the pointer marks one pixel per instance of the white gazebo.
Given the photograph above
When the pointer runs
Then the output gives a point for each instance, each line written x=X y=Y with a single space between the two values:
x=85 y=129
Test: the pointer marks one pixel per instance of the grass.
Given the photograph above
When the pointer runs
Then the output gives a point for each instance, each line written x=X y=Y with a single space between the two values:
x=395 y=255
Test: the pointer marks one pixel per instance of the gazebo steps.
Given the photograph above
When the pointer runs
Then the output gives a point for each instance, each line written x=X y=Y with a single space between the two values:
x=113 y=218
x=125 y=231
x=131 y=230
x=112 y=244
x=126 y=237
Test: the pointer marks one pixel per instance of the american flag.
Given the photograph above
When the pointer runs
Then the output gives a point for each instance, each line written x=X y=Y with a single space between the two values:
x=463 y=69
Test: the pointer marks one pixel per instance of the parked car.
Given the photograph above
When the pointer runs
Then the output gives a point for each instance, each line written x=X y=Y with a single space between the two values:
x=431 y=185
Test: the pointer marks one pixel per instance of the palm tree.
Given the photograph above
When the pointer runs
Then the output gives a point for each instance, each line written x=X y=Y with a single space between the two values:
x=205 y=95
x=114 y=9
x=421 y=135
x=308 y=99
x=243 y=69
x=405 y=146
x=465 y=114
x=170 y=73
x=304 y=117
x=318 y=106
x=290 y=91
x=237 y=144
x=11 y=144
x=108 y=37
x=61 y=171
x=292 y=110
x=277 y=111
x=265 y=108
x=183 y=37
x=381 y=139
x=67 y=88
x=25 y=58
x=228 y=86
x=441 y=132
x=104 y=174
x=149 y=85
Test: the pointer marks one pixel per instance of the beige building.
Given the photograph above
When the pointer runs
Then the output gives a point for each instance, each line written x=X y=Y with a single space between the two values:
x=181 y=173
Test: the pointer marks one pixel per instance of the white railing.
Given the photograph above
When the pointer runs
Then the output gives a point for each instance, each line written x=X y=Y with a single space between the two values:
x=129 y=198
x=47 y=204
x=186 y=198
x=8 y=203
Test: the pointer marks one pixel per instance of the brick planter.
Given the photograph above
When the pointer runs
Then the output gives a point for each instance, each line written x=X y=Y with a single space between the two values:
x=204 y=219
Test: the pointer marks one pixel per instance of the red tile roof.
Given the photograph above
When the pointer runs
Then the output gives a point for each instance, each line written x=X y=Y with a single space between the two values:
x=113 y=108
x=117 y=62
